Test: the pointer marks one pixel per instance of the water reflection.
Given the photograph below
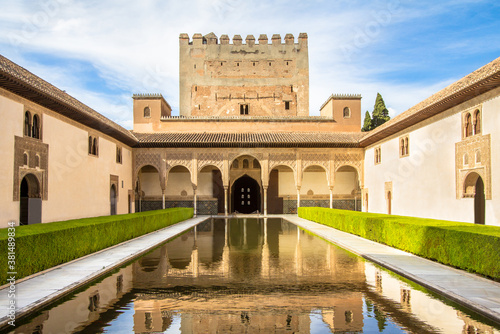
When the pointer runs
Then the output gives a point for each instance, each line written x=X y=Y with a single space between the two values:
x=250 y=275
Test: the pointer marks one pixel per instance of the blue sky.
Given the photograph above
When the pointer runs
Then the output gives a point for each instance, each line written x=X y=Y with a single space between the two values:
x=102 y=52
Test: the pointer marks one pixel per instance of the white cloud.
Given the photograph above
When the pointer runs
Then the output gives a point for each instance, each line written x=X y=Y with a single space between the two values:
x=134 y=45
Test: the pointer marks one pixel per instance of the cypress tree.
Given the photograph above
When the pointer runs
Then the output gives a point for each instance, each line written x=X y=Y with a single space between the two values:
x=380 y=114
x=367 y=123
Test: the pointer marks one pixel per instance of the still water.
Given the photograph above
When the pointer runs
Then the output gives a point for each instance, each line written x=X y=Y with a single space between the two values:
x=253 y=276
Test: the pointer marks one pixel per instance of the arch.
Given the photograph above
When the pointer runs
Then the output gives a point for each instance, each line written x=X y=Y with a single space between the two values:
x=148 y=186
x=242 y=155
x=147 y=112
x=282 y=185
x=255 y=164
x=30 y=206
x=402 y=145
x=27 y=124
x=35 y=132
x=25 y=158
x=37 y=161
x=347 y=112
x=235 y=164
x=246 y=195
x=310 y=181
x=91 y=143
x=477 y=122
x=474 y=188
x=347 y=184
x=468 y=125
x=407 y=146
x=210 y=185
x=112 y=200
x=245 y=163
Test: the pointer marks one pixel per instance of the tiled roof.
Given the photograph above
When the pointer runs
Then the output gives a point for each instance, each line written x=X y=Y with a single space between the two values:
x=20 y=81
x=248 y=139
x=478 y=82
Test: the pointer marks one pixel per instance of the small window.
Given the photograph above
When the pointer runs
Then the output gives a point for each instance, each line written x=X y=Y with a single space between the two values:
x=466 y=159
x=35 y=131
x=256 y=164
x=245 y=163
x=404 y=149
x=378 y=155
x=221 y=64
x=286 y=63
x=195 y=88
x=477 y=122
x=347 y=112
x=468 y=125
x=287 y=105
x=37 y=161
x=236 y=164
x=25 y=159
x=254 y=64
x=93 y=146
x=243 y=109
x=119 y=155
x=478 y=157
x=237 y=64
x=242 y=202
x=269 y=64
x=91 y=142
x=27 y=124
x=147 y=112
x=194 y=66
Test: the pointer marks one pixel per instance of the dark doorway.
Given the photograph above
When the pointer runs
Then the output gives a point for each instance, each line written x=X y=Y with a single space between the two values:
x=245 y=195
x=274 y=202
x=479 y=202
x=30 y=206
x=112 y=199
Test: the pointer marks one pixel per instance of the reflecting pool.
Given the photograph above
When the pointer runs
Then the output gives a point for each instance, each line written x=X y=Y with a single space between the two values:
x=253 y=276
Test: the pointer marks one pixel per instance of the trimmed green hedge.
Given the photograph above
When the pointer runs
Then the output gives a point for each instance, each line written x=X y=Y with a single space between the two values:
x=42 y=246
x=475 y=248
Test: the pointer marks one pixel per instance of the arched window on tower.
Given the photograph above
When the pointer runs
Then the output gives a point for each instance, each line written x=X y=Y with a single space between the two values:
x=25 y=159
x=147 y=112
x=95 y=149
x=347 y=112
x=477 y=122
x=27 y=124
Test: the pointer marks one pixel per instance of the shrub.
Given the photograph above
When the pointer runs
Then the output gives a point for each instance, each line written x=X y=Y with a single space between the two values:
x=466 y=246
x=42 y=246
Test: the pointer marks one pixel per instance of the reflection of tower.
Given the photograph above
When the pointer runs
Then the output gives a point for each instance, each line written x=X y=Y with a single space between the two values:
x=245 y=233
x=195 y=256
x=225 y=250
x=265 y=265
x=298 y=255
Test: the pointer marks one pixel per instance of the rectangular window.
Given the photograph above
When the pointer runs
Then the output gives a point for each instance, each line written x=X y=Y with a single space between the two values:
x=243 y=109
x=118 y=155
x=287 y=105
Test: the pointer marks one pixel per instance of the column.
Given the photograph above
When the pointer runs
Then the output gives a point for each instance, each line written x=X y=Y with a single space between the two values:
x=225 y=200
x=194 y=201
x=163 y=199
x=265 y=201
x=298 y=199
x=331 y=197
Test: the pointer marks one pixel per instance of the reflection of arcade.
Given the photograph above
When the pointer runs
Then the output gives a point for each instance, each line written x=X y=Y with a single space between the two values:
x=88 y=309
x=268 y=275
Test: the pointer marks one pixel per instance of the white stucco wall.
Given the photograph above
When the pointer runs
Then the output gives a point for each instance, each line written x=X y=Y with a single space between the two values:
x=345 y=182
x=79 y=183
x=424 y=183
x=315 y=181
x=11 y=125
x=177 y=182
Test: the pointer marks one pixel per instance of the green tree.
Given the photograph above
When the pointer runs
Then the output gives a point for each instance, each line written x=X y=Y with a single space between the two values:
x=380 y=114
x=367 y=124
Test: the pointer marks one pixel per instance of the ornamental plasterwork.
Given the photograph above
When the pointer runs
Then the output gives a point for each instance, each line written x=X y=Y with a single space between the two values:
x=348 y=159
x=473 y=154
x=214 y=159
x=142 y=159
x=320 y=159
x=182 y=159
x=231 y=156
x=286 y=159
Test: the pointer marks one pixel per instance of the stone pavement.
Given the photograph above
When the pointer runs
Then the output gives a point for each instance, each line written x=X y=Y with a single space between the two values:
x=477 y=293
x=40 y=289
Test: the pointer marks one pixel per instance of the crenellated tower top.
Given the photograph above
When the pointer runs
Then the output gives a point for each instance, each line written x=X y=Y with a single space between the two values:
x=250 y=41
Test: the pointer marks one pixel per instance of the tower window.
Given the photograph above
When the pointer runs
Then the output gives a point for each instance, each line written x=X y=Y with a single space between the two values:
x=287 y=105
x=147 y=112
x=347 y=112
x=27 y=124
x=243 y=109
x=119 y=155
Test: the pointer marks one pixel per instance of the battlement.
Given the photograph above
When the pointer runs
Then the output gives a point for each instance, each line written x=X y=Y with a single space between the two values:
x=147 y=96
x=211 y=39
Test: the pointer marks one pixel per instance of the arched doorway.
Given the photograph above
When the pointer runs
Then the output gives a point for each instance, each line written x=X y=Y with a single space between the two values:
x=479 y=202
x=474 y=187
x=30 y=206
x=112 y=200
x=148 y=193
x=245 y=195
x=282 y=191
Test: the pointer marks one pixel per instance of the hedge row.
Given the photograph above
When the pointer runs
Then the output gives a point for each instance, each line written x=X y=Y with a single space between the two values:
x=475 y=248
x=42 y=246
